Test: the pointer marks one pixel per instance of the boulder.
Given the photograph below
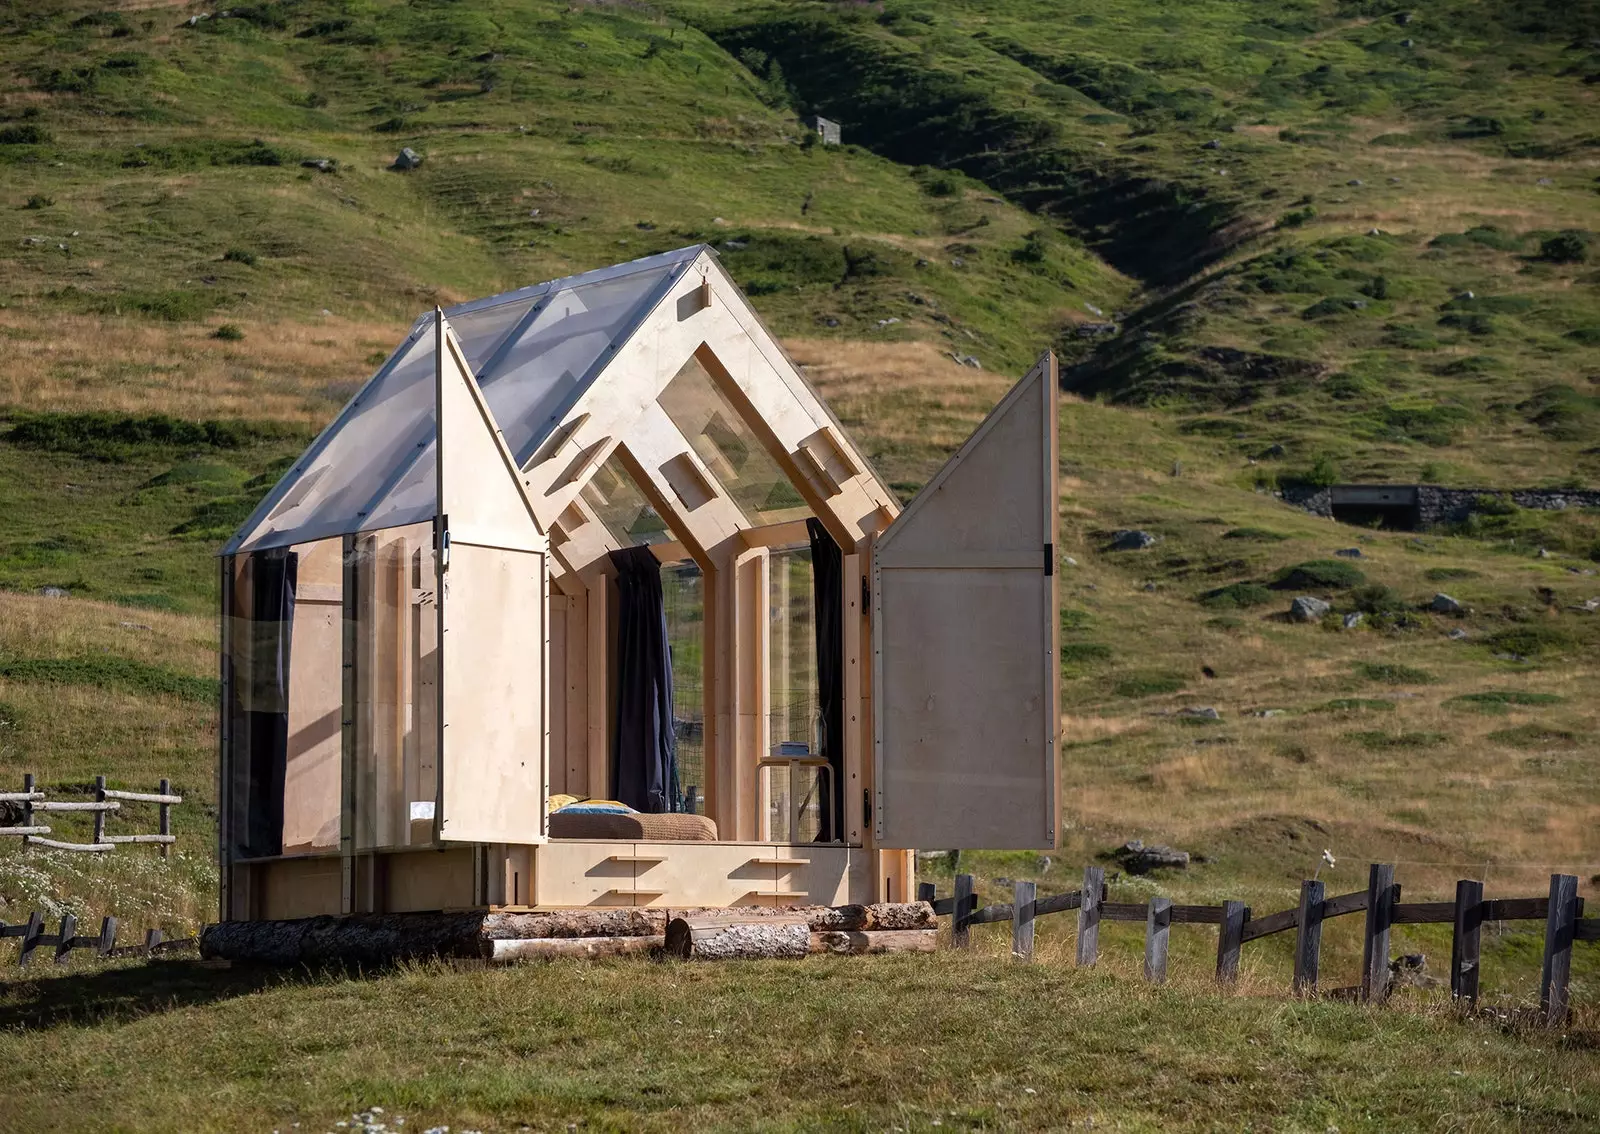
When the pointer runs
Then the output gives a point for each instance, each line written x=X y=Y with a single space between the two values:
x=1136 y=858
x=1354 y=619
x=1131 y=540
x=1205 y=714
x=1308 y=609
x=320 y=164
x=1457 y=634
x=1348 y=553
x=407 y=159
x=1444 y=604
x=55 y=592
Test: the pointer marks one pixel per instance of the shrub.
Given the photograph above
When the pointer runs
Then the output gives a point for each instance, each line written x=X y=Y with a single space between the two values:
x=1375 y=598
x=1378 y=741
x=1488 y=504
x=1528 y=641
x=27 y=134
x=240 y=256
x=125 y=674
x=1084 y=653
x=1499 y=700
x=228 y=333
x=1534 y=736
x=1440 y=574
x=102 y=435
x=1393 y=673
x=1258 y=535
x=39 y=201
x=1147 y=684
x=1355 y=705
x=1570 y=247
x=1236 y=596
x=1294 y=218
x=1318 y=573
x=1322 y=473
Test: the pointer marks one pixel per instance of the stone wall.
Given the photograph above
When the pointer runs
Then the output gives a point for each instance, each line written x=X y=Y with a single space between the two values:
x=1437 y=505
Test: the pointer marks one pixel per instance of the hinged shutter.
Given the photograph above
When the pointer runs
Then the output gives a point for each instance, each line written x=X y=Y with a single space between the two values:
x=494 y=736
x=964 y=626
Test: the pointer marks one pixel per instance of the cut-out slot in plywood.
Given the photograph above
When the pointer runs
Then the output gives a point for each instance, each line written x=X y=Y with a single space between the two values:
x=831 y=454
x=822 y=480
x=582 y=465
x=559 y=441
x=692 y=486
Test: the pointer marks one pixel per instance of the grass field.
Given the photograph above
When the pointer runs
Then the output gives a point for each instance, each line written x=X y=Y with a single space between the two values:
x=913 y=1043
x=1274 y=243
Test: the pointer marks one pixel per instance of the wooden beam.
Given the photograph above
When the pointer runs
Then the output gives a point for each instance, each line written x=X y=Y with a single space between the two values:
x=1558 y=933
x=1230 y=936
x=1094 y=878
x=1308 y=938
x=1382 y=895
x=1022 y=921
x=961 y=911
x=1157 y=930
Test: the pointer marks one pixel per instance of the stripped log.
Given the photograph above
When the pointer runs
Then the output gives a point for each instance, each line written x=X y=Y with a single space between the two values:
x=712 y=939
x=549 y=948
x=142 y=796
x=854 y=943
x=55 y=844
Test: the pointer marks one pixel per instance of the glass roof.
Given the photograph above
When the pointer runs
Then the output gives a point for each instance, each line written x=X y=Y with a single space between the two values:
x=621 y=506
x=533 y=352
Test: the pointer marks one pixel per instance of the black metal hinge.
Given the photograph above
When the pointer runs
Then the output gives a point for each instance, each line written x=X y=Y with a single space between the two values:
x=866 y=807
x=1049 y=559
x=866 y=595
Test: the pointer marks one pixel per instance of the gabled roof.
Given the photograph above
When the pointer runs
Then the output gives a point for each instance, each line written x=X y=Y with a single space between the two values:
x=534 y=352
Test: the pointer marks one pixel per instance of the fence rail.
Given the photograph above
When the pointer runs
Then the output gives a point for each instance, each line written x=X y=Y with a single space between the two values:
x=107 y=801
x=104 y=943
x=1561 y=911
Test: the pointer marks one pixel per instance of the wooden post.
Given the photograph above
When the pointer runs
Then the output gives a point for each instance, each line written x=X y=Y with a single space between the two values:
x=1157 y=929
x=35 y=930
x=1308 y=938
x=1558 y=930
x=1022 y=921
x=1230 y=940
x=152 y=938
x=166 y=817
x=925 y=891
x=960 y=934
x=27 y=804
x=99 y=816
x=1466 y=938
x=1375 y=943
x=1094 y=881
x=108 y=936
x=69 y=929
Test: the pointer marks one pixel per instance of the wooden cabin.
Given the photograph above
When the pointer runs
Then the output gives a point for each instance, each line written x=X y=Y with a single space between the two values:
x=586 y=599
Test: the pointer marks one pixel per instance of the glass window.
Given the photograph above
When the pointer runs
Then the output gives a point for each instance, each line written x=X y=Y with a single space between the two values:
x=621 y=506
x=794 y=702
x=728 y=447
x=683 y=588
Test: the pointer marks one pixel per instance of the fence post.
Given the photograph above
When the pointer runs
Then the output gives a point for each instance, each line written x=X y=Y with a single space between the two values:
x=960 y=933
x=99 y=816
x=166 y=818
x=27 y=804
x=1230 y=940
x=1466 y=938
x=69 y=929
x=925 y=891
x=30 y=936
x=1558 y=930
x=1375 y=942
x=1022 y=899
x=108 y=936
x=1157 y=929
x=152 y=938
x=1094 y=880
x=1308 y=938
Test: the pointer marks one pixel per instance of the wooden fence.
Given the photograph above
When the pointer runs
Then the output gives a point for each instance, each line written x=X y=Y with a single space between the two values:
x=1561 y=911
x=68 y=938
x=106 y=802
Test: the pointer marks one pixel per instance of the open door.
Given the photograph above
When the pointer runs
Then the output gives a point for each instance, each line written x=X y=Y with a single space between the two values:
x=964 y=623
x=494 y=733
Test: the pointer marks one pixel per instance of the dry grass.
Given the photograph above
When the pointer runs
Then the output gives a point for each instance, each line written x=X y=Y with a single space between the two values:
x=287 y=371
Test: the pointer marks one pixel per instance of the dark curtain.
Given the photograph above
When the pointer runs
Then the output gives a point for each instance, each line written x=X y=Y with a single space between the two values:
x=644 y=757
x=827 y=585
x=272 y=578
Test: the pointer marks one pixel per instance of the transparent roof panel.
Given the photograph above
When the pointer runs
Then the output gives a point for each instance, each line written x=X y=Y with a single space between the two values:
x=621 y=506
x=533 y=351
x=729 y=448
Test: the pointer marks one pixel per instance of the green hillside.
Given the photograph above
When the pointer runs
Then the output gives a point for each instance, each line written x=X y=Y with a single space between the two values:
x=1274 y=243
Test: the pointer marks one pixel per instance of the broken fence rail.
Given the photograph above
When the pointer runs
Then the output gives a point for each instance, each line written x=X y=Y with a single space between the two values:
x=104 y=944
x=1561 y=911
x=106 y=801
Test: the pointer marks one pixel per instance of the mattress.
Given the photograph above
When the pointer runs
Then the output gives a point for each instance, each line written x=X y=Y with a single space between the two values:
x=637 y=827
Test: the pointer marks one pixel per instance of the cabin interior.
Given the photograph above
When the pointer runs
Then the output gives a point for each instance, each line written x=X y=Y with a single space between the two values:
x=573 y=606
